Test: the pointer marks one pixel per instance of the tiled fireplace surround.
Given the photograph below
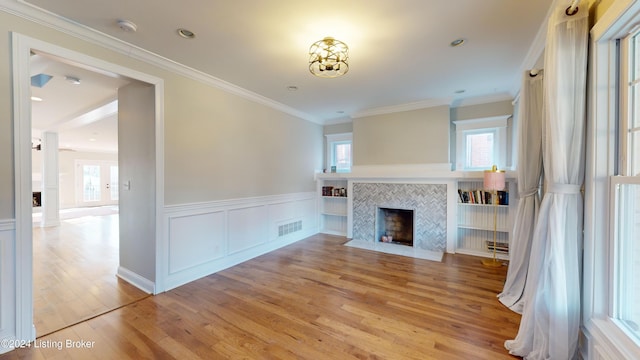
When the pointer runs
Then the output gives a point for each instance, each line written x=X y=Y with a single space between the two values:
x=428 y=201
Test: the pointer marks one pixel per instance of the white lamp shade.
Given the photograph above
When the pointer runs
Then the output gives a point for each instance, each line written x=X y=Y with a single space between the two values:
x=494 y=179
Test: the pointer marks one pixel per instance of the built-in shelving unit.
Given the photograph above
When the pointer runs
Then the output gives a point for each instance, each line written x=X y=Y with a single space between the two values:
x=332 y=192
x=475 y=220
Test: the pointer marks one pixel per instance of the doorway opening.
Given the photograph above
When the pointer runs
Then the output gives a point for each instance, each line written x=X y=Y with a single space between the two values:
x=151 y=99
x=76 y=236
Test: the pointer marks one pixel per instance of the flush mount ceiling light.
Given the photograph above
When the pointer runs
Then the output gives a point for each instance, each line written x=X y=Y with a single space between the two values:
x=127 y=26
x=457 y=42
x=72 y=79
x=187 y=34
x=328 y=58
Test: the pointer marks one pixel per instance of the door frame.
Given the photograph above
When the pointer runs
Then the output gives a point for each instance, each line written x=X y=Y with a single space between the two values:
x=22 y=46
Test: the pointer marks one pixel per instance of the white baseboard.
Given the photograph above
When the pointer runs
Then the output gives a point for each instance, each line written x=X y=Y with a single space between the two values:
x=136 y=280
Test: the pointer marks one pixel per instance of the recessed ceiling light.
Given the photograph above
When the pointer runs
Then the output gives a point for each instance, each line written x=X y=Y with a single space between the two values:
x=127 y=26
x=187 y=34
x=457 y=42
x=92 y=139
x=72 y=79
x=292 y=88
x=35 y=98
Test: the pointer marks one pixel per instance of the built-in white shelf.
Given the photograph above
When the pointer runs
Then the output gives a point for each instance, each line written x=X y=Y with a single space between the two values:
x=332 y=208
x=475 y=223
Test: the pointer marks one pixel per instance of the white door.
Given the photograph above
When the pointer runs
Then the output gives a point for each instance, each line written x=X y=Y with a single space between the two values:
x=96 y=183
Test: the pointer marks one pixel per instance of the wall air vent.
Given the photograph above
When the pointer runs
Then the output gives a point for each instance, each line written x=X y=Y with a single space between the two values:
x=286 y=229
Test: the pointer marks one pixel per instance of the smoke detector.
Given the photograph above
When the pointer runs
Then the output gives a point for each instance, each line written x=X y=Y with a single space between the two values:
x=127 y=26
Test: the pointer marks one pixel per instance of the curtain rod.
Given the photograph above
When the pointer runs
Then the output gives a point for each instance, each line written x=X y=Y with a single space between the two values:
x=573 y=8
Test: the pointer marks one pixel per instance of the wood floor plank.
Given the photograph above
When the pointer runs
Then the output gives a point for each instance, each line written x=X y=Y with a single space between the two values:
x=74 y=272
x=315 y=299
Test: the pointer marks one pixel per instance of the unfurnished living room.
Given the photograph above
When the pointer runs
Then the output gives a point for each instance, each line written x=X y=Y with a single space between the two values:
x=278 y=179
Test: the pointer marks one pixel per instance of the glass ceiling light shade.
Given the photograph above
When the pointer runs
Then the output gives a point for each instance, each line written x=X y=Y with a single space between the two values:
x=328 y=58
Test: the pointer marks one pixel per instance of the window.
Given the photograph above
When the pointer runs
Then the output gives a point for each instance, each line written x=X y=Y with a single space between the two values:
x=611 y=234
x=339 y=152
x=625 y=194
x=626 y=235
x=481 y=143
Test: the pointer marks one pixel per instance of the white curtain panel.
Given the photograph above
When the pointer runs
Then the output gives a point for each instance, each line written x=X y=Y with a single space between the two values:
x=530 y=109
x=551 y=315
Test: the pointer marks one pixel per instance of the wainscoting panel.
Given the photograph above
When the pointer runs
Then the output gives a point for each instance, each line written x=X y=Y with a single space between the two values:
x=203 y=238
x=196 y=239
x=248 y=228
x=7 y=279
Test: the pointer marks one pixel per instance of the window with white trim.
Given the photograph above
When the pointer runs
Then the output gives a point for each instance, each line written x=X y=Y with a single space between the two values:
x=339 y=152
x=481 y=143
x=625 y=194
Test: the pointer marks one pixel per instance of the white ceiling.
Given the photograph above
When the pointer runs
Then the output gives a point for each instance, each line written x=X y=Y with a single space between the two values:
x=84 y=115
x=399 y=50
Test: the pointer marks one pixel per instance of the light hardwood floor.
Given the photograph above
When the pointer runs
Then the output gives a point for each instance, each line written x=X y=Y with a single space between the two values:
x=74 y=267
x=315 y=299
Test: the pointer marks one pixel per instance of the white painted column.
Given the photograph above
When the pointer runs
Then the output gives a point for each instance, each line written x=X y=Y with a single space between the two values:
x=50 y=180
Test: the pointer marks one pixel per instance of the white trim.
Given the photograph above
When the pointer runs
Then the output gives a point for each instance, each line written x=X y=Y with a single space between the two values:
x=479 y=100
x=604 y=338
x=607 y=341
x=40 y=16
x=136 y=280
x=21 y=49
x=617 y=20
x=330 y=139
x=7 y=279
x=429 y=103
x=208 y=206
x=403 y=107
x=24 y=328
x=499 y=123
x=7 y=224
x=481 y=123
x=440 y=170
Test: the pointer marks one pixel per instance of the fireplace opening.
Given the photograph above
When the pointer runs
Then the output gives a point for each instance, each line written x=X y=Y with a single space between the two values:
x=395 y=226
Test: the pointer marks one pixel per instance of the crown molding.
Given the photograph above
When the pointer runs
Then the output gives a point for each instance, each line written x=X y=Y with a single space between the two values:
x=402 y=107
x=48 y=19
x=433 y=103
x=479 y=100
